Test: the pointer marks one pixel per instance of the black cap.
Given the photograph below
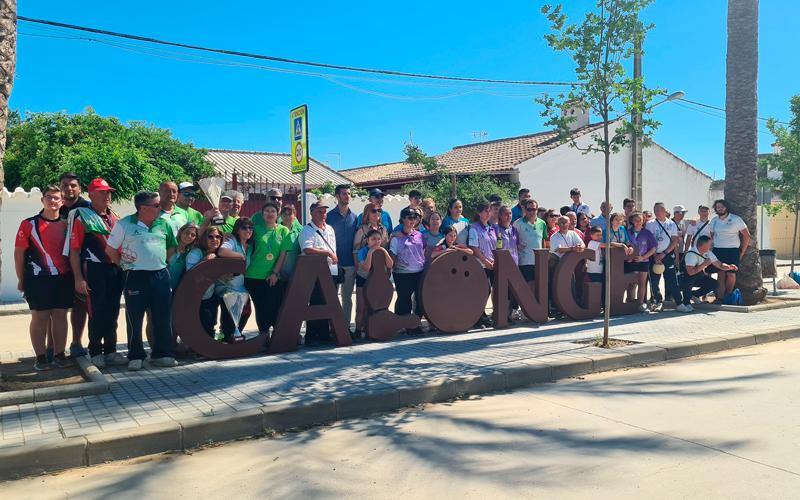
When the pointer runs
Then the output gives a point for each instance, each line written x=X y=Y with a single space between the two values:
x=377 y=193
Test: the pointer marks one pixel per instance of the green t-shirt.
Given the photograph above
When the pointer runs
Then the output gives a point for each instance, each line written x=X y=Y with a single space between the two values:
x=269 y=243
x=142 y=248
x=194 y=216
x=177 y=218
x=258 y=220
x=531 y=237
x=294 y=250
x=227 y=228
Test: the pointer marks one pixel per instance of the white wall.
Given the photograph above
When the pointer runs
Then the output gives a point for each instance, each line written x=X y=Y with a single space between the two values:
x=20 y=205
x=666 y=178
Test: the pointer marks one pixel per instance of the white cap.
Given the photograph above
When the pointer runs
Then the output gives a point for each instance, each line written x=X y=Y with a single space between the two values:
x=186 y=185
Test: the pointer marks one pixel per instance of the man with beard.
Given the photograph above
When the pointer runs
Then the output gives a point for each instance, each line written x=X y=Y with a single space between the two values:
x=731 y=237
x=187 y=194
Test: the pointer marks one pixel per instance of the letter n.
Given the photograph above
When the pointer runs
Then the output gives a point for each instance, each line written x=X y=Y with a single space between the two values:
x=310 y=271
x=531 y=296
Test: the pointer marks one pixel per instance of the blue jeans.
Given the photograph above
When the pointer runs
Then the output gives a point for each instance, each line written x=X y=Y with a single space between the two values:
x=148 y=290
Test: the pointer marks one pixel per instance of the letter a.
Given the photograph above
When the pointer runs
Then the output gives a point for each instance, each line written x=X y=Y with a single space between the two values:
x=310 y=271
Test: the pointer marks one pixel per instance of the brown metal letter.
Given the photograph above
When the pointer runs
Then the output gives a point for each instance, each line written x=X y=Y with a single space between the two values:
x=531 y=296
x=619 y=283
x=309 y=270
x=186 y=306
x=454 y=292
x=383 y=324
x=562 y=288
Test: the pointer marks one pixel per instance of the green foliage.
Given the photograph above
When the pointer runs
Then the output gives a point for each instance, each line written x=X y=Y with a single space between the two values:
x=786 y=161
x=131 y=158
x=471 y=189
x=599 y=46
x=327 y=188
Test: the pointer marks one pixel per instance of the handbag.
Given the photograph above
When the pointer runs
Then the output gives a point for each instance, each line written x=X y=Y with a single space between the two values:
x=339 y=277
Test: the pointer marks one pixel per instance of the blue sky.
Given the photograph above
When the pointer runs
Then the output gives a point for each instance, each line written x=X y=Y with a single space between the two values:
x=245 y=108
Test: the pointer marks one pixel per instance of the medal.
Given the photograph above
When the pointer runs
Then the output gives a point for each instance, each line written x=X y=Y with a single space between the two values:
x=270 y=256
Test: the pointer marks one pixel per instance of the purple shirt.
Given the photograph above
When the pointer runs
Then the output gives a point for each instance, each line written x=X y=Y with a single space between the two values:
x=483 y=238
x=642 y=242
x=509 y=239
x=409 y=252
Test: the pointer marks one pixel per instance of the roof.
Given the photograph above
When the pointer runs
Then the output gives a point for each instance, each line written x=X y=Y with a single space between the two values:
x=496 y=157
x=272 y=167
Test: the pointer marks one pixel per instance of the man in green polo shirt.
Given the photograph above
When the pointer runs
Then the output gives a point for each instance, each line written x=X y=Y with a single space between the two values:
x=168 y=196
x=187 y=194
x=141 y=244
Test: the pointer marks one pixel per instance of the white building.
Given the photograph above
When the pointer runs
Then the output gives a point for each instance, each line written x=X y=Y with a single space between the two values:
x=550 y=168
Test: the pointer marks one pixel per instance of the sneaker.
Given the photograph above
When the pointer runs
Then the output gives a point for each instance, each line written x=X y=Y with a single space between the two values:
x=219 y=337
x=165 y=362
x=657 y=307
x=99 y=361
x=135 y=365
x=76 y=350
x=689 y=308
x=61 y=361
x=681 y=308
x=41 y=365
x=115 y=359
x=49 y=353
x=643 y=308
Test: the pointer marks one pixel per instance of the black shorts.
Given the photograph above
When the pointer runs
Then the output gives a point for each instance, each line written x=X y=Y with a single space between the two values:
x=360 y=282
x=637 y=267
x=528 y=271
x=727 y=255
x=45 y=292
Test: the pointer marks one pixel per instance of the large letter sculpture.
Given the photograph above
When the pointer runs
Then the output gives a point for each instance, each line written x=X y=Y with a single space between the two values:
x=454 y=292
x=562 y=288
x=186 y=305
x=310 y=271
x=531 y=295
x=383 y=324
x=620 y=280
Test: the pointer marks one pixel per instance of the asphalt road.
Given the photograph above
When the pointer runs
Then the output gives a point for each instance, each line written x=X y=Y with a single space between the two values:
x=716 y=426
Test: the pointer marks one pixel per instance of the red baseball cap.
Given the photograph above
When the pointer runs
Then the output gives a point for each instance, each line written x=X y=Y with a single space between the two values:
x=100 y=185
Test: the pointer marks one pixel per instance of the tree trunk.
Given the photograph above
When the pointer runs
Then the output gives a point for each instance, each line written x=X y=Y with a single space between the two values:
x=8 y=62
x=741 y=139
x=607 y=250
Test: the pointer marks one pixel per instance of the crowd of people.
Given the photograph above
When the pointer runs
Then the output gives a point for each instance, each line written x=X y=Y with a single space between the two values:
x=78 y=255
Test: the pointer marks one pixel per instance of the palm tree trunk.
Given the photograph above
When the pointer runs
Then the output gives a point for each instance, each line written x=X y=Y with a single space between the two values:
x=741 y=139
x=8 y=62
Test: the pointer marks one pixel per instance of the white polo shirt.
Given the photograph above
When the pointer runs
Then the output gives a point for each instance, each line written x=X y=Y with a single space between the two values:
x=561 y=240
x=309 y=238
x=698 y=229
x=725 y=232
x=663 y=231
x=693 y=259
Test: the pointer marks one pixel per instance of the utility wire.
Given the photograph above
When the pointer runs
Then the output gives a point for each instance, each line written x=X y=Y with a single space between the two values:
x=709 y=106
x=286 y=60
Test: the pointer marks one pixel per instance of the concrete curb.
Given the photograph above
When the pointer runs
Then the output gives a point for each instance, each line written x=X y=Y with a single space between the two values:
x=97 y=383
x=53 y=455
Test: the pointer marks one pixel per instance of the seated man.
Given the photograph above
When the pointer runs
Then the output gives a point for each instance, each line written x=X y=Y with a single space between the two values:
x=698 y=259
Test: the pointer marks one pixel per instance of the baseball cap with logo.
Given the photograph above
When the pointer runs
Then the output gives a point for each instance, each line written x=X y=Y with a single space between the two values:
x=100 y=185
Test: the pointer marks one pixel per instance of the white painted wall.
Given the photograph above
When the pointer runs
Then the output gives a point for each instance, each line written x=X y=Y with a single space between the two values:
x=666 y=178
x=20 y=205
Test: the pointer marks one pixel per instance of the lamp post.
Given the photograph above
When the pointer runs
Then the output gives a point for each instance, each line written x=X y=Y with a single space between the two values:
x=636 y=146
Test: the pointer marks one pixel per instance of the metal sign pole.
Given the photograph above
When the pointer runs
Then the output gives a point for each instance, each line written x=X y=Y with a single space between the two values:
x=303 y=196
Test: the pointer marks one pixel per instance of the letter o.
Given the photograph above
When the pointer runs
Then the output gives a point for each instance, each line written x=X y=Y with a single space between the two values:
x=454 y=292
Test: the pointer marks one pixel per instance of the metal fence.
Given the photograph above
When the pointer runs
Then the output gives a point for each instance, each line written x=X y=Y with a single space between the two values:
x=255 y=188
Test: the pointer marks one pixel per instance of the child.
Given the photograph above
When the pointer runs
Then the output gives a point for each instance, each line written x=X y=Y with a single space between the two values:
x=364 y=257
x=449 y=243
x=595 y=268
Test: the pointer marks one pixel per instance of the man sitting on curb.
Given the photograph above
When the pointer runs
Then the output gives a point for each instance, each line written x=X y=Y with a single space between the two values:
x=698 y=259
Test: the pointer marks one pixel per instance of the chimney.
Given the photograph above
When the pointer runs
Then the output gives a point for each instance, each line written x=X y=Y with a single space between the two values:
x=579 y=112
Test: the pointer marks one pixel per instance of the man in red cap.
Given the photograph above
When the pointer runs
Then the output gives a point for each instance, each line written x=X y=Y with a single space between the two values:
x=96 y=277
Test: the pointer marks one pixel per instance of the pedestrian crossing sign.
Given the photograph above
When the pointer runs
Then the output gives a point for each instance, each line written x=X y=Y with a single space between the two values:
x=298 y=123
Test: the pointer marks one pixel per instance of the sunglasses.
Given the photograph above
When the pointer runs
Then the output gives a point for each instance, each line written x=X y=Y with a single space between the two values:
x=531 y=209
x=214 y=237
x=276 y=198
x=189 y=195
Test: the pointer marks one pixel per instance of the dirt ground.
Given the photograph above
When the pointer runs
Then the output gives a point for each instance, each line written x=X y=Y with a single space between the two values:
x=18 y=374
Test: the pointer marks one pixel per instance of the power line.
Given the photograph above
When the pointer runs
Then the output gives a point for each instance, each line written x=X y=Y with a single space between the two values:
x=286 y=60
x=723 y=109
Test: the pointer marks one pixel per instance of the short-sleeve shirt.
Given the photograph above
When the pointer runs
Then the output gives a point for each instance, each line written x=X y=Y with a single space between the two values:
x=294 y=249
x=516 y=212
x=642 y=242
x=345 y=228
x=361 y=257
x=462 y=228
x=309 y=238
x=561 y=240
x=663 y=232
x=531 y=237
x=227 y=227
x=142 y=248
x=91 y=245
x=43 y=242
x=194 y=216
x=618 y=236
x=431 y=240
x=595 y=266
x=694 y=258
x=386 y=219
x=726 y=231
x=698 y=229
x=64 y=211
x=194 y=257
x=600 y=220
x=409 y=250
x=508 y=239
x=583 y=208
x=267 y=247
x=483 y=238
x=178 y=218
x=236 y=283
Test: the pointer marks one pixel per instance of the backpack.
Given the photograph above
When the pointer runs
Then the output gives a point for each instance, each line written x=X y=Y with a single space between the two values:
x=734 y=298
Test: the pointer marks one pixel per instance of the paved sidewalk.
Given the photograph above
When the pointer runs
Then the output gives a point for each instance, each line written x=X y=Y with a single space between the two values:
x=209 y=388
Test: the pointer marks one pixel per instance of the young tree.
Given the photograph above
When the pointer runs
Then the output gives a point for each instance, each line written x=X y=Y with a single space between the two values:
x=786 y=161
x=599 y=46
x=741 y=139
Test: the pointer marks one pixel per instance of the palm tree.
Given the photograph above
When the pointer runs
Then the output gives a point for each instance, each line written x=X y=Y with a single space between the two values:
x=741 y=139
x=8 y=62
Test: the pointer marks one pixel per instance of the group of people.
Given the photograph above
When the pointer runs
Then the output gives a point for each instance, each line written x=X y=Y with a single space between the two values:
x=79 y=255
